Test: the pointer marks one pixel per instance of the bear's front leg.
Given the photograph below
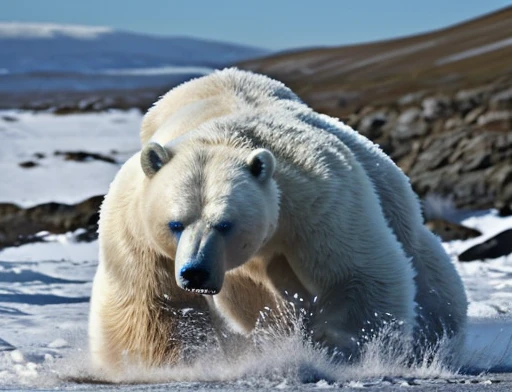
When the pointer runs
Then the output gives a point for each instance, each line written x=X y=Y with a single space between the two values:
x=238 y=308
x=145 y=326
x=353 y=312
x=337 y=321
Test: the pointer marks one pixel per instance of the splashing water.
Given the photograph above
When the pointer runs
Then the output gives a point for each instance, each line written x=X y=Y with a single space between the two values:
x=275 y=355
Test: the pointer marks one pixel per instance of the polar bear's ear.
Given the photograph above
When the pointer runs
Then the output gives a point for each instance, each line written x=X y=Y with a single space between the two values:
x=153 y=157
x=261 y=164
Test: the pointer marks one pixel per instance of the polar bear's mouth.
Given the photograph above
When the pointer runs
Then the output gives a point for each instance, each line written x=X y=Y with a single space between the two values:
x=202 y=291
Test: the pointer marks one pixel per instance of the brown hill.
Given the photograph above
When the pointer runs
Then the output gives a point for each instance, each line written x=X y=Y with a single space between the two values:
x=337 y=80
x=440 y=104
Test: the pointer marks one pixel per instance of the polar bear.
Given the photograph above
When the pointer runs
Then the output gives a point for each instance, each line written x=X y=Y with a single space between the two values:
x=243 y=196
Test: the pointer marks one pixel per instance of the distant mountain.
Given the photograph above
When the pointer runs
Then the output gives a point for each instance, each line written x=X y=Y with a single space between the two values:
x=52 y=48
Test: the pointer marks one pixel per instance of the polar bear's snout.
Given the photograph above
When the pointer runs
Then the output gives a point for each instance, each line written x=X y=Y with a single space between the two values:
x=196 y=278
x=199 y=263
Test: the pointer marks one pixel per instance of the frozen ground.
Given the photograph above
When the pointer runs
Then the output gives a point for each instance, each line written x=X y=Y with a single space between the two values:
x=24 y=134
x=45 y=287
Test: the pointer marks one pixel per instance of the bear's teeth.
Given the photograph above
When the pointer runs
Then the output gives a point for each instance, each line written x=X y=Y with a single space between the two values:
x=203 y=291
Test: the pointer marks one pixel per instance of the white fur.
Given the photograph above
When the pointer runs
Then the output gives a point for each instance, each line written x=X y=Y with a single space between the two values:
x=336 y=220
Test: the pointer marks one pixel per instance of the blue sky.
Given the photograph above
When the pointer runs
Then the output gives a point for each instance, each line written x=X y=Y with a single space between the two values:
x=272 y=24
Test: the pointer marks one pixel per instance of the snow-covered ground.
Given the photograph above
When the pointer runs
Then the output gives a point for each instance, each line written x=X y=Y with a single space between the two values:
x=25 y=134
x=45 y=287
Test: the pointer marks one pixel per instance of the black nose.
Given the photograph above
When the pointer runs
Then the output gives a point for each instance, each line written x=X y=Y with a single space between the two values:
x=194 y=277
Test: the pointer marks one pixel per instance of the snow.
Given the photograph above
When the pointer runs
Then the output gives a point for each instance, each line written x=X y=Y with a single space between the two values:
x=50 y=30
x=391 y=54
x=45 y=286
x=489 y=282
x=60 y=247
x=55 y=179
x=475 y=51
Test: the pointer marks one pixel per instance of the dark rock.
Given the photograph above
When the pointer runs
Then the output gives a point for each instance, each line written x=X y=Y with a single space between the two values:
x=502 y=100
x=84 y=156
x=65 y=109
x=371 y=124
x=474 y=114
x=28 y=164
x=409 y=125
x=496 y=121
x=471 y=190
x=432 y=159
x=504 y=142
x=453 y=123
x=400 y=150
x=7 y=118
x=468 y=100
x=352 y=120
x=19 y=225
x=449 y=231
x=480 y=160
x=501 y=176
x=39 y=155
x=436 y=107
x=504 y=197
x=497 y=246
x=504 y=209
x=410 y=116
x=472 y=166
x=407 y=161
x=410 y=131
x=88 y=235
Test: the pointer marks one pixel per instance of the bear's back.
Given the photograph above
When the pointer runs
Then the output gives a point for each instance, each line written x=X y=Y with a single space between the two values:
x=220 y=93
x=399 y=202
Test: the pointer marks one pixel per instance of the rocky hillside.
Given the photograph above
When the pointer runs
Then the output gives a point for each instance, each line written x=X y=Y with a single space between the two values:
x=439 y=103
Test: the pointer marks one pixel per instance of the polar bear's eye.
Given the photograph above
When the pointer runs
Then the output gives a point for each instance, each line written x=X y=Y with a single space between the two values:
x=223 y=227
x=176 y=227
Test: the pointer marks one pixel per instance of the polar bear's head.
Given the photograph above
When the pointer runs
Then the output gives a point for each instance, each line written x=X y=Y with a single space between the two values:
x=210 y=208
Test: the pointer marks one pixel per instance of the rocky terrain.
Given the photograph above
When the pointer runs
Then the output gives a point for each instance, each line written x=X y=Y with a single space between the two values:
x=455 y=145
x=19 y=225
